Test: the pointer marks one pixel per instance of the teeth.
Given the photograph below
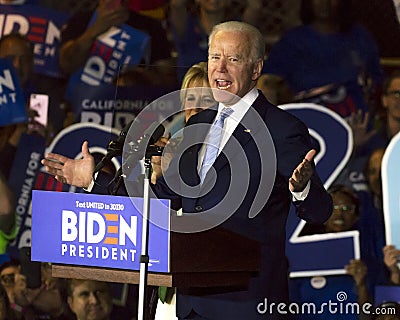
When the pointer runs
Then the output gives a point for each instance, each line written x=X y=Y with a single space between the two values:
x=223 y=84
x=338 y=222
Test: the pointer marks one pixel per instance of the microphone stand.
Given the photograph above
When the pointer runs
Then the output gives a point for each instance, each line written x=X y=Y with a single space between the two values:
x=144 y=257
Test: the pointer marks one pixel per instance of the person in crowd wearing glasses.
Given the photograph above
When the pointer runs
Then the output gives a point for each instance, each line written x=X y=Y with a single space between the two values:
x=360 y=279
x=387 y=122
x=391 y=103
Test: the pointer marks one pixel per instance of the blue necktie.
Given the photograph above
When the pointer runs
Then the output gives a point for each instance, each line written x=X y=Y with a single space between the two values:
x=213 y=142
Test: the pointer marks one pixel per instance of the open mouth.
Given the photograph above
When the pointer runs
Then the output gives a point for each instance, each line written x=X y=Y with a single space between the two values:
x=223 y=84
x=338 y=222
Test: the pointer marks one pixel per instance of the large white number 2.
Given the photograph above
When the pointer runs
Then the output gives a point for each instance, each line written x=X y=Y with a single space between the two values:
x=322 y=254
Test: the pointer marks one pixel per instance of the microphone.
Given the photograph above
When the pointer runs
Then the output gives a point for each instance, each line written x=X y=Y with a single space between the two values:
x=139 y=150
x=114 y=148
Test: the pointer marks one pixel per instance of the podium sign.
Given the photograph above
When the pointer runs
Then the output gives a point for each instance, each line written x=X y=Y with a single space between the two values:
x=98 y=230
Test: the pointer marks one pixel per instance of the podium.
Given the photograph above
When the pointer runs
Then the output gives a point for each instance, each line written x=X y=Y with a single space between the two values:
x=211 y=258
x=88 y=236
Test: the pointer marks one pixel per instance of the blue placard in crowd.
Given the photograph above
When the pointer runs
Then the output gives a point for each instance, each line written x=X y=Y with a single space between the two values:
x=114 y=106
x=42 y=26
x=12 y=101
x=387 y=294
x=98 y=230
x=24 y=172
x=115 y=48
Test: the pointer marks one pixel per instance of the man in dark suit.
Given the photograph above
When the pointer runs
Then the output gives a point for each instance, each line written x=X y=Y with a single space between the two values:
x=262 y=165
x=233 y=68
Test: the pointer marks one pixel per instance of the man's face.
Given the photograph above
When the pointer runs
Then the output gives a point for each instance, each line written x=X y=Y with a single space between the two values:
x=230 y=69
x=20 y=54
x=391 y=100
x=91 y=300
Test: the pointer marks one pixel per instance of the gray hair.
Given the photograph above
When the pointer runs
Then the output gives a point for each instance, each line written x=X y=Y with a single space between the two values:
x=257 y=39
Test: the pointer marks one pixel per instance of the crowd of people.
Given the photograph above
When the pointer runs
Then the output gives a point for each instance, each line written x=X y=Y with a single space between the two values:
x=203 y=48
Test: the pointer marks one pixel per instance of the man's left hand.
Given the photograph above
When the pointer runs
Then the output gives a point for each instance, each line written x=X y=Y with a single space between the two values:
x=302 y=174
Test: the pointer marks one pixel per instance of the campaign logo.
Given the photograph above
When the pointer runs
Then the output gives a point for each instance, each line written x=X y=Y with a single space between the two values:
x=92 y=234
x=97 y=230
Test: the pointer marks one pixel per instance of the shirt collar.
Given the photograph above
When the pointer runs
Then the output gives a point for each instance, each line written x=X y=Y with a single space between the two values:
x=242 y=106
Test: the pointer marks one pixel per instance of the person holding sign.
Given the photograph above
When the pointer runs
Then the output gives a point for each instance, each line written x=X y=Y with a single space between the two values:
x=233 y=69
x=78 y=36
x=391 y=259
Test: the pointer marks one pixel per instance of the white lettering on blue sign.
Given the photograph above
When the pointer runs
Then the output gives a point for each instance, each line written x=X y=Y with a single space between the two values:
x=92 y=227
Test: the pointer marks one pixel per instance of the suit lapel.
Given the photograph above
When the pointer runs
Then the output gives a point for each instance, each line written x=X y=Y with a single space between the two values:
x=245 y=131
x=195 y=130
x=243 y=134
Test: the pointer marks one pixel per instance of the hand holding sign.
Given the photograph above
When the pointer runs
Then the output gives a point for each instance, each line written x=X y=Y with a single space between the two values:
x=391 y=256
x=358 y=270
x=108 y=15
x=76 y=172
x=302 y=174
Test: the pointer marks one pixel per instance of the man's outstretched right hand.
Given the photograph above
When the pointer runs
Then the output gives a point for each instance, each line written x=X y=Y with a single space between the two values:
x=76 y=172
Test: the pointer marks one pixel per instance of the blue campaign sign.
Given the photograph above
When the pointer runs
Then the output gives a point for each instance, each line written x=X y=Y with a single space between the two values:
x=116 y=48
x=327 y=254
x=114 y=106
x=24 y=172
x=387 y=294
x=12 y=101
x=98 y=230
x=42 y=26
x=391 y=190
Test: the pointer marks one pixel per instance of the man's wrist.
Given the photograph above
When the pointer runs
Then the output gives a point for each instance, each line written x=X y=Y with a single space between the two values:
x=89 y=188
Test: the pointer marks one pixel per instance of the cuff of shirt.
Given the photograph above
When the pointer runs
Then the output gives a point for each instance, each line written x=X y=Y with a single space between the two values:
x=91 y=185
x=300 y=196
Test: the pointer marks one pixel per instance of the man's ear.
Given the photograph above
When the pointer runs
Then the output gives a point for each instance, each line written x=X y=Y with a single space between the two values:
x=257 y=68
x=384 y=101
x=69 y=301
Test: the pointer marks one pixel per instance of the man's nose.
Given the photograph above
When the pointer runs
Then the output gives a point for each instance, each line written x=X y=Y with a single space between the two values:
x=93 y=299
x=221 y=65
